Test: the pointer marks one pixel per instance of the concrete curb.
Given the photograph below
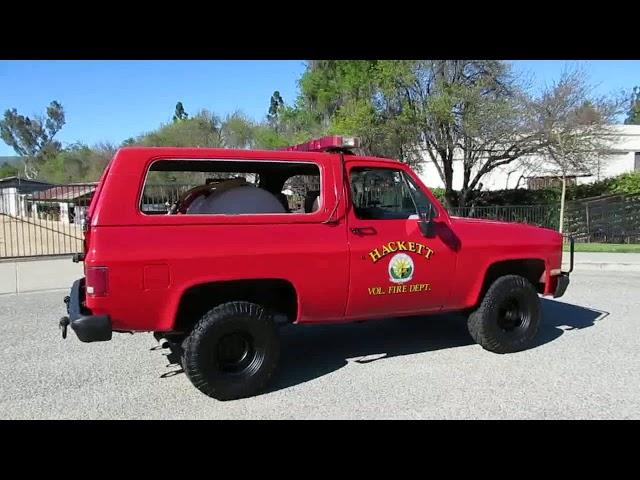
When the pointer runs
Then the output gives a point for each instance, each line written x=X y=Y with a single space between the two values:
x=606 y=261
x=36 y=275
x=616 y=267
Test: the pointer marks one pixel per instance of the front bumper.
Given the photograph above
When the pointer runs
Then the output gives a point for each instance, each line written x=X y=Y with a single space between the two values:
x=561 y=285
x=562 y=281
x=88 y=327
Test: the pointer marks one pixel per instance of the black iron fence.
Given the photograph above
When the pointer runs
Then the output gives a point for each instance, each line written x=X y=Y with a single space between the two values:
x=158 y=198
x=541 y=215
x=45 y=222
x=607 y=219
x=51 y=221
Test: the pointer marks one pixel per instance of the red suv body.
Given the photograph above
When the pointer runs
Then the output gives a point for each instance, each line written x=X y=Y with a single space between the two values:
x=374 y=243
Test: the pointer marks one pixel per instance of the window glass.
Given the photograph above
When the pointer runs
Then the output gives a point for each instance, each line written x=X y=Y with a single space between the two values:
x=384 y=193
x=224 y=187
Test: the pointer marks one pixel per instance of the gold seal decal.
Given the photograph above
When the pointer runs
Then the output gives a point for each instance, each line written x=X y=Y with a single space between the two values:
x=400 y=246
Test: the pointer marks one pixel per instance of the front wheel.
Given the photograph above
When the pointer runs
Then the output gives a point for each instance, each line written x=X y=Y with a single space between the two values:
x=508 y=317
x=232 y=351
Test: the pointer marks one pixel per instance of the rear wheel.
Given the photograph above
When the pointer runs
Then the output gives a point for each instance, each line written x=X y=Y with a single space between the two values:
x=508 y=317
x=232 y=351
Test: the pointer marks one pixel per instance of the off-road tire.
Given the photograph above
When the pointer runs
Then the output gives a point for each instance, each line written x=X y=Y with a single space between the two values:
x=508 y=317
x=234 y=327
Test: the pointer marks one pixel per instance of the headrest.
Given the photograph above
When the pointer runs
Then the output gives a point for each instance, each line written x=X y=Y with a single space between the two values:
x=311 y=201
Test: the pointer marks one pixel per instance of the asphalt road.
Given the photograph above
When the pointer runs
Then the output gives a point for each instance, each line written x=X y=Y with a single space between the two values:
x=586 y=364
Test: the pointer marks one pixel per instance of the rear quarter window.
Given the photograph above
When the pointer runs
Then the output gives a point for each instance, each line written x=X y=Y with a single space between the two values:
x=225 y=187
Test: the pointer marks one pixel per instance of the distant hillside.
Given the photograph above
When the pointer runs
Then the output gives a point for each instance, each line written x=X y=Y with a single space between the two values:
x=10 y=160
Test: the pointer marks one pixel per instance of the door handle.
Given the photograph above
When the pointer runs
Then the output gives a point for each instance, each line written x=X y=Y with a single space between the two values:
x=364 y=230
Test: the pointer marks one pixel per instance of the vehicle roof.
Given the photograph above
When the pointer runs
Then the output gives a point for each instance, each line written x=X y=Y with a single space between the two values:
x=186 y=153
x=256 y=155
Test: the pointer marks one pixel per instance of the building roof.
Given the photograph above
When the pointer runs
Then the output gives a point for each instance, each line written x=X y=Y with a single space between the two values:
x=23 y=185
x=13 y=178
x=66 y=193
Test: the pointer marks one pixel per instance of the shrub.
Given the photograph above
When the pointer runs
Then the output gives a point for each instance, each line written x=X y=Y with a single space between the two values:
x=626 y=183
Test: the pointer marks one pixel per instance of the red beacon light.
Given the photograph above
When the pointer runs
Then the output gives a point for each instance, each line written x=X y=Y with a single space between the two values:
x=329 y=144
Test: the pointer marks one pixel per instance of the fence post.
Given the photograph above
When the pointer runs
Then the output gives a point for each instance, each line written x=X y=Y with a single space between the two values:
x=586 y=207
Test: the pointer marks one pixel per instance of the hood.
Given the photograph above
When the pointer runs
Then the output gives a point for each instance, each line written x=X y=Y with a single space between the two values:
x=506 y=232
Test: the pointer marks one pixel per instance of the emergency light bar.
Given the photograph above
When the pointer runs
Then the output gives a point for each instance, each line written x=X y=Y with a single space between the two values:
x=326 y=144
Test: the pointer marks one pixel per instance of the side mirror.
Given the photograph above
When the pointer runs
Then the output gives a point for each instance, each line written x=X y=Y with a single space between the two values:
x=426 y=223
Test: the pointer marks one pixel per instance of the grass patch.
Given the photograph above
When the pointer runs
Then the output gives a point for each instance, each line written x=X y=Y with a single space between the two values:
x=605 y=247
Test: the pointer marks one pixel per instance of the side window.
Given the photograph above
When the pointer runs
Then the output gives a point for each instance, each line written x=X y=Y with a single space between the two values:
x=385 y=194
x=421 y=200
x=229 y=187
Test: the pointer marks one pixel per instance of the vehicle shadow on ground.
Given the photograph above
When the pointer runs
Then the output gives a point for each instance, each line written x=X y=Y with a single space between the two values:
x=310 y=352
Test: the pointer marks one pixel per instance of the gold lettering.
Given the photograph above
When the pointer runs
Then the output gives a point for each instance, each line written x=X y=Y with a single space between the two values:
x=392 y=246
x=412 y=246
x=429 y=253
x=420 y=247
x=375 y=255
x=401 y=246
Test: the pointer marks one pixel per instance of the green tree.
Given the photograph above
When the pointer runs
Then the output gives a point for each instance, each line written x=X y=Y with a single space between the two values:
x=633 y=115
x=468 y=115
x=275 y=105
x=628 y=183
x=237 y=131
x=201 y=130
x=441 y=110
x=8 y=170
x=32 y=138
x=180 y=114
x=78 y=163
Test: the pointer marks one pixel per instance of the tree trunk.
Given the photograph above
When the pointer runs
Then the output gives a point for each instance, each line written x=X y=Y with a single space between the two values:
x=451 y=198
x=463 y=196
x=30 y=173
x=450 y=194
x=564 y=192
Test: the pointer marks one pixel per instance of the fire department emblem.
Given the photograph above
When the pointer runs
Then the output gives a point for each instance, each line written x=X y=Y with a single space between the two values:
x=401 y=268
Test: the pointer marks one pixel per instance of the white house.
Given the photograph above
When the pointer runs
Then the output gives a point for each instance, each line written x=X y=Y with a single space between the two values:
x=13 y=191
x=65 y=203
x=625 y=158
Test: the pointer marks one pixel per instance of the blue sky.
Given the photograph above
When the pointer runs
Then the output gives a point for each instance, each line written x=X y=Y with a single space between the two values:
x=114 y=100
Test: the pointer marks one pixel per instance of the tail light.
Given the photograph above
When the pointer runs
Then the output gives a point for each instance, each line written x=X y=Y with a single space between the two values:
x=97 y=281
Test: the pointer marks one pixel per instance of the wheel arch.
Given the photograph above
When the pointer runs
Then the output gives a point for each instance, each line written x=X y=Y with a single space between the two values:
x=533 y=269
x=276 y=294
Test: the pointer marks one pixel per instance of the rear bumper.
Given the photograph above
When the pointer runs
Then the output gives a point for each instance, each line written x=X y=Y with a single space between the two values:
x=88 y=327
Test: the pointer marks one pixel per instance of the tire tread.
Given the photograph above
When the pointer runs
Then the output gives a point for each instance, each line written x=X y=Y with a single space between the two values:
x=190 y=355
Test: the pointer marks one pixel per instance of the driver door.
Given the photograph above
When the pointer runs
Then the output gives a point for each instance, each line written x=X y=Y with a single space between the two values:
x=394 y=268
